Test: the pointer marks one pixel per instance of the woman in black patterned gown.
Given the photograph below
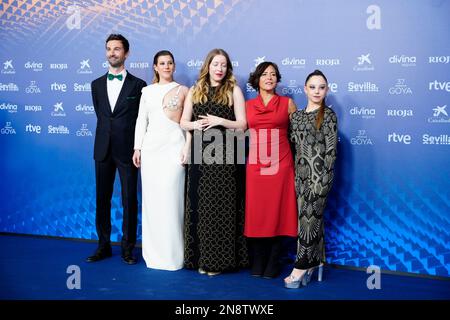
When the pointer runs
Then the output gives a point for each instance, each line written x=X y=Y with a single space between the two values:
x=314 y=132
x=214 y=212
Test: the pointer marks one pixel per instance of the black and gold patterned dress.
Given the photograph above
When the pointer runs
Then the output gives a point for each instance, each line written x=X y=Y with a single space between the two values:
x=214 y=214
x=315 y=154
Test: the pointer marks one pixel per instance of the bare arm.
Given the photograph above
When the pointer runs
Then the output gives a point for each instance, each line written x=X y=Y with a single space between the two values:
x=186 y=117
x=292 y=107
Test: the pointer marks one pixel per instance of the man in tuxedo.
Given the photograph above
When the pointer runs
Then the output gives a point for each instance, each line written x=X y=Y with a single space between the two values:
x=116 y=98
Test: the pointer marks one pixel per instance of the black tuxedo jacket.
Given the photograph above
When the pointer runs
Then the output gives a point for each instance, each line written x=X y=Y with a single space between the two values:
x=116 y=129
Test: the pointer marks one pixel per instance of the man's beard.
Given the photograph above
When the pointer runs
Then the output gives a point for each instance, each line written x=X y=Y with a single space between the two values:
x=115 y=64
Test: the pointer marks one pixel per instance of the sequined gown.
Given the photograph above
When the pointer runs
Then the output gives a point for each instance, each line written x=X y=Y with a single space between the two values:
x=315 y=154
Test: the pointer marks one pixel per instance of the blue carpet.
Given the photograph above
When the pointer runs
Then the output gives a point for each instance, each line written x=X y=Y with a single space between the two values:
x=33 y=268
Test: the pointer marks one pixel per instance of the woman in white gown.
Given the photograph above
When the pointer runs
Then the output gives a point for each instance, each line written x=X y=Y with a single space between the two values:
x=161 y=151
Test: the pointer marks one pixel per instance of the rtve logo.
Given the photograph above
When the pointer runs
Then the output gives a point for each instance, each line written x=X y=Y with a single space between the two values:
x=58 y=87
x=438 y=86
x=399 y=138
x=33 y=128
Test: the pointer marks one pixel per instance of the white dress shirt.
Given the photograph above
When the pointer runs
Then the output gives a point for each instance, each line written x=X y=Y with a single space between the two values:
x=114 y=87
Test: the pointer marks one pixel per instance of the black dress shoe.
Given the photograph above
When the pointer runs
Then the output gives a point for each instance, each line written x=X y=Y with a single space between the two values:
x=99 y=255
x=129 y=259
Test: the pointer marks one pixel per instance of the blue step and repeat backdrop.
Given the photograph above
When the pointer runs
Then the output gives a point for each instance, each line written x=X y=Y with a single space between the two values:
x=387 y=62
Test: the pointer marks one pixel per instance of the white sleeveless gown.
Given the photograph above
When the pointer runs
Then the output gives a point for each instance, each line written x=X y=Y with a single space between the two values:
x=162 y=174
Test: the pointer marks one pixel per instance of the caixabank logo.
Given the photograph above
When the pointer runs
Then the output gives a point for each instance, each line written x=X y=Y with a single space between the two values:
x=440 y=115
x=85 y=67
x=8 y=67
x=364 y=63
x=58 y=110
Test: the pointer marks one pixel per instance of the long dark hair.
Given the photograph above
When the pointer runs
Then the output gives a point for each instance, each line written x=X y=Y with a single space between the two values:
x=155 y=62
x=321 y=113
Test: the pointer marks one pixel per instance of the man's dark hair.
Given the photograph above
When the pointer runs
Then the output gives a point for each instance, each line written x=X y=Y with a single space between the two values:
x=125 y=43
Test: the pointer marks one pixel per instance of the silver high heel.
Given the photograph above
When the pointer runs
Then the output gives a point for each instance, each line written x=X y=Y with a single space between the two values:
x=307 y=278
x=294 y=283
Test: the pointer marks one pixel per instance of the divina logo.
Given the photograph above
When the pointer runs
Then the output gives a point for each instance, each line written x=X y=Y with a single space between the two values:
x=32 y=88
x=363 y=112
x=366 y=86
x=403 y=60
x=195 y=63
x=292 y=88
x=439 y=59
x=361 y=139
x=86 y=109
x=58 y=130
x=8 y=67
x=296 y=63
x=401 y=113
x=439 y=86
x=364 y=63
x=35 y=66
x=84 y=131
x=8 y=129
x=11 y=108
x=432 y=139
x=85 y=68
x=440 y=115
x=399 y=138
x=400 y=87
